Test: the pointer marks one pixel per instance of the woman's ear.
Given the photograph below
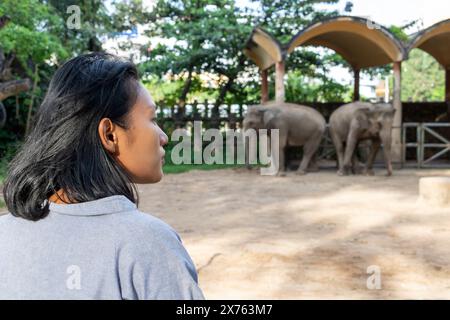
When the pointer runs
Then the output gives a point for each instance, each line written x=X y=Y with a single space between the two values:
x=108 y=135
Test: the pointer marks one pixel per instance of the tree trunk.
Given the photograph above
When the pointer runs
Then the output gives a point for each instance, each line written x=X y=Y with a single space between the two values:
x=14 y=87
x=33 y=95
x=186 y=88
x=223 y=91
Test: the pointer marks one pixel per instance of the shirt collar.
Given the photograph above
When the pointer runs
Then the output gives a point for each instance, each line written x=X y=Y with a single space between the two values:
x=107 y=205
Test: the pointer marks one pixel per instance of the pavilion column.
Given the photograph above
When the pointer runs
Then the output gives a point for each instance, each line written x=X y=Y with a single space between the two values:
x=356 y=84
x=396 y=149
x=447 y=90
x=264 y=86
x=279 y=81
x=447 y=84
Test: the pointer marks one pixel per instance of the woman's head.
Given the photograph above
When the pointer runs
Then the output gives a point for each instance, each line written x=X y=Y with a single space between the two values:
x=94 y=137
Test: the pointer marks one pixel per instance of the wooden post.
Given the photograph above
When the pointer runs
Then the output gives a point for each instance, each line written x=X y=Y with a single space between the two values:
x=264 y=86
x=356 y=84
x=447 y=91
x=279 y=81
x=447 y=84
x=397 y=124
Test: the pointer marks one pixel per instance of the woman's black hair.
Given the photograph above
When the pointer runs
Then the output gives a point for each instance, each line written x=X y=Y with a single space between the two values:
x=64 y=150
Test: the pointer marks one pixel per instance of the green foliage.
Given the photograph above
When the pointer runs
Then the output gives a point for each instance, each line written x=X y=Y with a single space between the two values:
x=180 y=168
x=283 y=19
x=7 y=152
x=209 y=37
x=201 y=37
x=300 y=88
x=400 y=34
x=27 y=34
x=170 y=167
x=96 y=24
x=165 y=92
x=423 y=78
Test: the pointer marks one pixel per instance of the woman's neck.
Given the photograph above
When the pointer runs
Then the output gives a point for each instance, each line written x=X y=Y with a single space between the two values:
x=59 y=197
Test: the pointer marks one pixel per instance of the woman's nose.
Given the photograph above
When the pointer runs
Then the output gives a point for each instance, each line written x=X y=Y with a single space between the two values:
x=163 y=138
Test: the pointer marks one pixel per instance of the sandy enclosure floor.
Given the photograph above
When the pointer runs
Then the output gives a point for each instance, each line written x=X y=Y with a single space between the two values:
x=313 y=236
x=304 y=237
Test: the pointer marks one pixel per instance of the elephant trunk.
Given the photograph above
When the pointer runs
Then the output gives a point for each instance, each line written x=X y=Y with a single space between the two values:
x=386 y=139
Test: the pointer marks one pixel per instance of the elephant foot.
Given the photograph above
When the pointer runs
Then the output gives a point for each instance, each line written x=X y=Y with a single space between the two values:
x=357 y=170
x=312 y=167
x=388 y=174
x=281 y=174
x=344 y=171
x=300 y=172
x=369 y=172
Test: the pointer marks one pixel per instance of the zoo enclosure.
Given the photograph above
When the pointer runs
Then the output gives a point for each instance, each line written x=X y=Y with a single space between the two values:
x=416 y=152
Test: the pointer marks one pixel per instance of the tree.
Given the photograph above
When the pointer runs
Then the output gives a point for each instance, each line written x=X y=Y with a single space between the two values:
x=422 y=78
x=24 y=46
x=35 y=39
x=209 y=37
x=95 y=23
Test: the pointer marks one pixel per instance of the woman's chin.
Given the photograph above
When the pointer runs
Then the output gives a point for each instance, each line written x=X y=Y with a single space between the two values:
x=158 y=176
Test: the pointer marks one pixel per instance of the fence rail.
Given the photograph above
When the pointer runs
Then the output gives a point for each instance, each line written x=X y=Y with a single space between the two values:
x=427 y=138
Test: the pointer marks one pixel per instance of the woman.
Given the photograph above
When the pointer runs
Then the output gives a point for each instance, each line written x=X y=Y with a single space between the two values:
x=74 y=230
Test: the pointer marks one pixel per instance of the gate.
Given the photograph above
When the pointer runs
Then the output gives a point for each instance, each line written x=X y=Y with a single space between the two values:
x=427 y=141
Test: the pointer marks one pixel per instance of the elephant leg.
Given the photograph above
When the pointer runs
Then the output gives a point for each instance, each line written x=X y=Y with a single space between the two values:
x=309 y=149
x=386 y=140
x=281 y=161
x=339 y=146
x=370 y=159
x=352 y=142
x=356 y=165
x=251 y=151
x=313 y=166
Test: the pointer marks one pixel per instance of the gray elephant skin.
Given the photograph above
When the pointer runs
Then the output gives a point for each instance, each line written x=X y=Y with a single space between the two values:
x=298 y=126
x=359 y=121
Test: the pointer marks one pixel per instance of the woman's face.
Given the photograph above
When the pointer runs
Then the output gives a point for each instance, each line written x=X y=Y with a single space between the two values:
x=139 y=149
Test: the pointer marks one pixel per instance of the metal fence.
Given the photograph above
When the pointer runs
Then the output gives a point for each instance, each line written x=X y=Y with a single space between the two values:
x=432 y=143
x=425 y=144
x=225 y=115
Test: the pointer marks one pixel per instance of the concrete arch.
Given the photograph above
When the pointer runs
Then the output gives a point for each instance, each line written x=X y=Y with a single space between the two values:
x=434 y=40
x=359 y=41
x=263 y=49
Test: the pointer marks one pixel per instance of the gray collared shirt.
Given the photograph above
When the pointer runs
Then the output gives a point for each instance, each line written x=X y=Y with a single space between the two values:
x=101 y=249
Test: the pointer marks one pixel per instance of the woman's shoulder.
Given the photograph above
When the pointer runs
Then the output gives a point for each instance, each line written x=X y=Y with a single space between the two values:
x=140 y=226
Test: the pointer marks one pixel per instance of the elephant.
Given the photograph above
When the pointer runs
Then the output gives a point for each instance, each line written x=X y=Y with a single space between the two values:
x=361 y=121
x=298 y=126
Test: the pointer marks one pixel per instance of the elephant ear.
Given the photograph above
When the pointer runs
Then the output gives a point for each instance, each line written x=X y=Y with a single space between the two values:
x=269 y=116
x=386 y=109
x=362 y=117
x=390 y=113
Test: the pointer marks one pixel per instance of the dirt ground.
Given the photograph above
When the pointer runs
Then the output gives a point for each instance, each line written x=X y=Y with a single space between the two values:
x=305 y=237
x=302 y=237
